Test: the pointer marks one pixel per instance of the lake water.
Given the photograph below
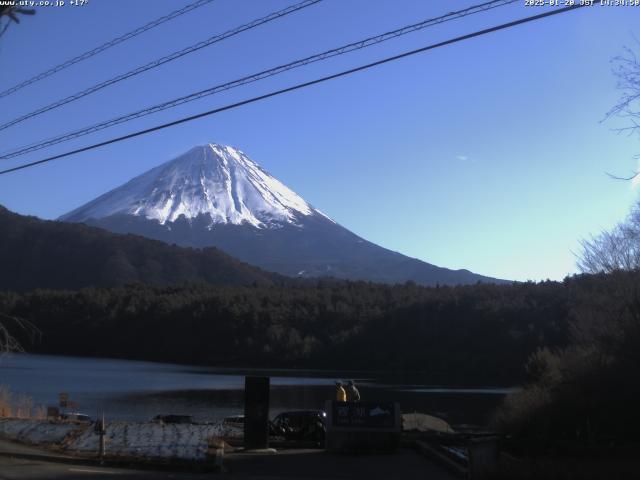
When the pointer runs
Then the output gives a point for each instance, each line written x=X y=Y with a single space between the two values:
x=134 y=390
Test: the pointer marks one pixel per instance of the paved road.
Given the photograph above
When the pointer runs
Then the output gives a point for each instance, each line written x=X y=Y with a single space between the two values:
x=31 y=463
x=285 y=465
x=18 y=469
x=319 y=465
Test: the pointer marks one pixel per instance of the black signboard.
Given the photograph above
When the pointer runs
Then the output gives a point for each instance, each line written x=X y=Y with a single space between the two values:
x=364 y=414
x=256 y=412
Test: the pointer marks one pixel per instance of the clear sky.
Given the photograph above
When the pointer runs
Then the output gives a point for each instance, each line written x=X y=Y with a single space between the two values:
x=489 y=154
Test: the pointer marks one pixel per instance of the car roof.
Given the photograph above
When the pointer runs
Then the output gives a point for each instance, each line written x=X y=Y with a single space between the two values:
x=303 y=412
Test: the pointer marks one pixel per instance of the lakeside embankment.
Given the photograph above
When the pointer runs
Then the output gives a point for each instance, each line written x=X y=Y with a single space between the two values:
x=144 y=441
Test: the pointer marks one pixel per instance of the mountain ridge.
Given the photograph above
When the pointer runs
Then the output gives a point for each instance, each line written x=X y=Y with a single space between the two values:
x=37 y=253
x=214 y=195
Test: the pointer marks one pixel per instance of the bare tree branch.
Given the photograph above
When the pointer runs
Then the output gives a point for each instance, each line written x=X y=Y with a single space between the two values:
x=615 y=177
x=9 y=324
x=626 y=69
x=614 y=250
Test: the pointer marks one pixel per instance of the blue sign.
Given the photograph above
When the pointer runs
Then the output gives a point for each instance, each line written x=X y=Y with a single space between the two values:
x=364 y=414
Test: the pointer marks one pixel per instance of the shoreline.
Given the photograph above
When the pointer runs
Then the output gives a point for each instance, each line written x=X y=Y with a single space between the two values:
x=292 y=372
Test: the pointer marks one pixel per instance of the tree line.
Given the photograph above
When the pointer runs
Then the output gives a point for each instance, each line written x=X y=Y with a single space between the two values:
x=480 y=334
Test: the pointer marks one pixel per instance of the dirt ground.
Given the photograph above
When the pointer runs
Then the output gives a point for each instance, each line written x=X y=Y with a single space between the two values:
x=19 y=462
x=318 y=464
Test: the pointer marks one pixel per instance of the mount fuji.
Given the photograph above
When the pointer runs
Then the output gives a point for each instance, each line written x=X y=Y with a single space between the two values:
x=214 y=195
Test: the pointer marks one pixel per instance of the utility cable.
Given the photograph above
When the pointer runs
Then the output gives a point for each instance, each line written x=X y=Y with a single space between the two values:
x=255 y=77
x=298 y=86
x=161 y=61
x=105 y=46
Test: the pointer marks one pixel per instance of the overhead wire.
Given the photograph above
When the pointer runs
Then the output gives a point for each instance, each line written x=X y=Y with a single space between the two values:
x=161 y=61
x=367 y=42
x=299 y=86
x=105 y=46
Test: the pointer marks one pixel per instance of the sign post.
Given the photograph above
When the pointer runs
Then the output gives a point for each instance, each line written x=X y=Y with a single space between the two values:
x=53 y=413
x=63 y=400
x=256 y=413
x=101 y=430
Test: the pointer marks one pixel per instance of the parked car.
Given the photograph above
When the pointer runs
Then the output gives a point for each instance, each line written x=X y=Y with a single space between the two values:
x=173 y=419
x=76 y=417
x=302 y=425
x=234 y=421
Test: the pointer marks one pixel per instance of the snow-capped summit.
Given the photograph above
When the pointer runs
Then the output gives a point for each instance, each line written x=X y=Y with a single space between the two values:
x=212 y=179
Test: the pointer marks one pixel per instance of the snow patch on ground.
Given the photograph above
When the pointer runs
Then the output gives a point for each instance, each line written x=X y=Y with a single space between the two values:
x=36 y=431
x=123 y=439
x=153 y=440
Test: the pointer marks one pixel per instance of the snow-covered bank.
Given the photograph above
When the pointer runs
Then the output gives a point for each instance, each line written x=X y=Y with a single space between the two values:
x=37 y=432
x=123 y=439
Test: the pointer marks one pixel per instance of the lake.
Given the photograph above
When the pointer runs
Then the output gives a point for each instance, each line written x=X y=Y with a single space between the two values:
x=135 y=390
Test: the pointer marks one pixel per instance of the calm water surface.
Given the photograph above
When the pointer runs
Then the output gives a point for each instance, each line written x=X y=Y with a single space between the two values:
x=135 y=390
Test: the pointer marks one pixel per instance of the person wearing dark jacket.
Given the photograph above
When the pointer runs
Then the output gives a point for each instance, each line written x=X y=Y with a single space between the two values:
x=352 y=392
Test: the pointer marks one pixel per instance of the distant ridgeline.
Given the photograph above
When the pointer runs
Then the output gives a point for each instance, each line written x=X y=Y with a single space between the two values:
x=43 y=254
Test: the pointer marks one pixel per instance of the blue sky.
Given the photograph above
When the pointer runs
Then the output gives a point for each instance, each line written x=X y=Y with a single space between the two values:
x=488 y=154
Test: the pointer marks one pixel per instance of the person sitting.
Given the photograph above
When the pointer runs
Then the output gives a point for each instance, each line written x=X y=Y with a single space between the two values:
x=341 y=393
x=354 y=393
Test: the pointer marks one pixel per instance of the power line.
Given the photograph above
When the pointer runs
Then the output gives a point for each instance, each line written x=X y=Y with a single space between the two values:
x=256 y=77
x=105 y=46
x=166 y=59
x=298 y=86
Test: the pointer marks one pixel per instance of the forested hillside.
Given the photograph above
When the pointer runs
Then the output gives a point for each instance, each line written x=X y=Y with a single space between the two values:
x=474 y=334
x=42 y=254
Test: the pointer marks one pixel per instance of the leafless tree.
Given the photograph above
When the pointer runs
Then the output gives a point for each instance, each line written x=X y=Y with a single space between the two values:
x=617 y=251
x=626 y=69
x=12 y=11
x=608 y=315
x=8 y=326
x=614 y=250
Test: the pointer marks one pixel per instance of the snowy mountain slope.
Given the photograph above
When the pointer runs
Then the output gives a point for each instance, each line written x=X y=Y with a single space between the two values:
x=214 y=180
x=215 y=195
